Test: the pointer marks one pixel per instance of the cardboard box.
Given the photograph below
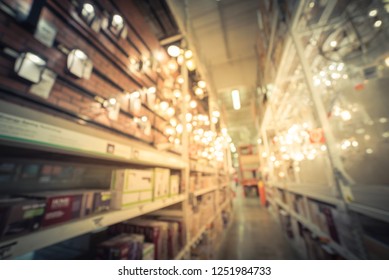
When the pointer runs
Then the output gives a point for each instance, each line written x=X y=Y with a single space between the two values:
x=148 y=251
x=174 y=185
x=161 y=182
x=120 y=200
x=122 y=247
x=20 y=215
x=60 y=206
x=101 y=201
x=155 y=232
x=126 y=180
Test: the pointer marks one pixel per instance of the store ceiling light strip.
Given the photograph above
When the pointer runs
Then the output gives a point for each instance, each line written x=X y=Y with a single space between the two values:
x=235 y=99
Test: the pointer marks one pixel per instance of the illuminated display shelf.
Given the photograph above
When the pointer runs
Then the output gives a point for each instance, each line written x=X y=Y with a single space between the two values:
x=48 y=236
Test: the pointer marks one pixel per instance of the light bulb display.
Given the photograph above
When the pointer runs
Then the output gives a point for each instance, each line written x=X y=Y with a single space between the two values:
x=173 y=51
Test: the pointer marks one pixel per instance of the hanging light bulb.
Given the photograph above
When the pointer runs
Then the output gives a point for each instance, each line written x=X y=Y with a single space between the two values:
x=172 y=65
x=151 y=90
x=190 y=65
x=188 y=117
x=202 y=84
x=199 y=91
x=179 y=128
x=180 y=80
x=180 y=59
x=170 y=111
x=188 y=54
x=216 y=114
x=173 y=51
x=189 y=127
x=346 y=115
x=177 y=93
x=163 y=106
x=173 y=122
x=215 y=120
x=333 y=43
x=193 y=104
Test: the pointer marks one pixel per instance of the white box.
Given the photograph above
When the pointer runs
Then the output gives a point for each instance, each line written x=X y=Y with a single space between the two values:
x=121 y=200
x=124 y=180
x=161 y=182
x=174 y=185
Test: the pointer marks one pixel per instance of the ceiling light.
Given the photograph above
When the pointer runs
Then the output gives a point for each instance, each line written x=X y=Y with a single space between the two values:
x=177 y=93
x=346 y=115
x=173 y=122
x=117 y=19
x=377 y=23
x=216 y=114
x=164 y=106
x=333 y=44
x=202 y=84
x=373 y=13
x=199 y=91
x=151 y=90
x=188 y=54
x=180 y=80
x=312 y=4
x=188 y=117
x=235 y=99
x=180 y=59
x=179 y=128
x=387 y=61
x=369 y=151
x=170 y=111
x=88 y=8
x=159 y=56
x=193 y=104
x=172 y=65
x=112 y=101
x=173 y=51
x=190 y=65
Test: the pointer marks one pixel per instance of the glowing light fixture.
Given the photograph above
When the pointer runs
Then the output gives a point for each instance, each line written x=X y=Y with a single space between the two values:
x=199 y=91
x=387 y=61
x=377 y=23
x=190 y=65
x=333 y=44
x=373 y=13
x=235 y=99
x=193 y=104
x=202 y=84
x=188 y=54
x=173 y=51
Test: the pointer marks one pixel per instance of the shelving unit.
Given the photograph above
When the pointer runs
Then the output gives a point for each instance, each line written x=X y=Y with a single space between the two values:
x=320 y=99
x=120 y=117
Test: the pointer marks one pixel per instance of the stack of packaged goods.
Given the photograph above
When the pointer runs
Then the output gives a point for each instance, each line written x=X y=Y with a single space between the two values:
x=131 y=187
x=122 y=247
x=155 y=232
x=161 y=184
x=20 y=215
x=208 y=182
x=174 y=185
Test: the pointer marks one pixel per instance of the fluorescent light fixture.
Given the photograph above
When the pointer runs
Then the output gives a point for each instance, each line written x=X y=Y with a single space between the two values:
x=235 y=99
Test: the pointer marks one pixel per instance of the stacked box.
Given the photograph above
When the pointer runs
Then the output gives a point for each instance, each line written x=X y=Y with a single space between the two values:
x=148 y=251
x=161 y=182
x=20 y=215
x=155 y=232
x=181 y=229
x=122 y=247
x=174 y=185
x=101 y=201
x=131 y=187
x=60 y=206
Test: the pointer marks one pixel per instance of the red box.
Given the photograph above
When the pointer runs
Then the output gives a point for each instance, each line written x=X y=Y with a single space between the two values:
x=60 y=206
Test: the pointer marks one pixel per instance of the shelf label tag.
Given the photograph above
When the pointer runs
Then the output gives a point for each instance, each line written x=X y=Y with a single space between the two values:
x=98 y=221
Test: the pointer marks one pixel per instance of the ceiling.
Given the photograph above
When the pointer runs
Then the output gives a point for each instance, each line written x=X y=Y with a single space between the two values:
x=223 y=35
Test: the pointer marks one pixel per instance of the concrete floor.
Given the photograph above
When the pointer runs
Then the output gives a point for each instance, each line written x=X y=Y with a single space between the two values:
x=254 y=234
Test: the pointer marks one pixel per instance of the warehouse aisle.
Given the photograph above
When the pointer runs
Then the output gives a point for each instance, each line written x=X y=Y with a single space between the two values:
x=254 y=234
